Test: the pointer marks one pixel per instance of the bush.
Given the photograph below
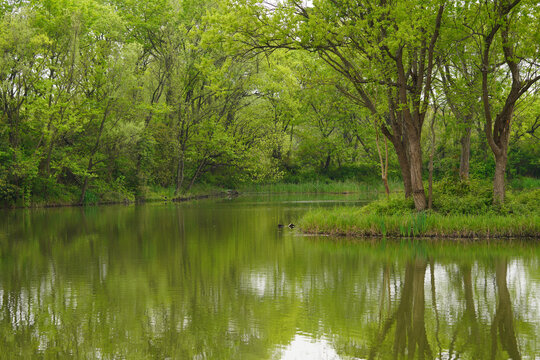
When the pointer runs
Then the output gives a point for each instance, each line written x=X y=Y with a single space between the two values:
x=455 y=197
x=526 y=202
x=395 y=205
x=8 y=193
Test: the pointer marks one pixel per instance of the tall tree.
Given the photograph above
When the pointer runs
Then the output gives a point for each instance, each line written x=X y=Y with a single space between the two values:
x=373 y=46
x=509 y=55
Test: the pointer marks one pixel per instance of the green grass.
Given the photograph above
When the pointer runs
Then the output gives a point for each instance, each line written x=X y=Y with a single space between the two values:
x=356 y=222
x=318 y=187
x=460 y=210
x=522 y=183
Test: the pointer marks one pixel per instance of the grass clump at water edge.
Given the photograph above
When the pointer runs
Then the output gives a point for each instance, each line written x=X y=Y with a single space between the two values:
x=460 y=210
x=355 y=222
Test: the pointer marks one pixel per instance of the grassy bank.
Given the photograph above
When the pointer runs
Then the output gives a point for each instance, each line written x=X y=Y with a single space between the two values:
x=355 y=222
x=460 y=210
x=106 y=195
x=319 y=187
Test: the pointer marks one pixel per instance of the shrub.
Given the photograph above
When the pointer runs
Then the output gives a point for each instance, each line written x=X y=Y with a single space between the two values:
x=474 y=197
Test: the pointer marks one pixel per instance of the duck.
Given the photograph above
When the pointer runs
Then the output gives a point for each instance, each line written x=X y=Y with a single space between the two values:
x=291 y=226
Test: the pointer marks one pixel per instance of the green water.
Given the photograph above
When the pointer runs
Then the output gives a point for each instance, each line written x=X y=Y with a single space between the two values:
x=218 y=280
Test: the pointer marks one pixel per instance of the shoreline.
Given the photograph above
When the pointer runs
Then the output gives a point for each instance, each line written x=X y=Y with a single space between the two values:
x=449 y=236
x=232 y=193
x=346 y=223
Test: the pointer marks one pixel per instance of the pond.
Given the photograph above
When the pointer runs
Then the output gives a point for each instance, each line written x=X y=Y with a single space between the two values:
x=217 y=279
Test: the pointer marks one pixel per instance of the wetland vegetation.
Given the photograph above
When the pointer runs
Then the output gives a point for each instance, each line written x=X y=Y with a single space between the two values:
x=406 y=122
x=117 y=101
x=460 y=210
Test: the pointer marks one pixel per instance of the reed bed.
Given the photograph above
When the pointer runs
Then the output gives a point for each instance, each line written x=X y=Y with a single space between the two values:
x=355 y=222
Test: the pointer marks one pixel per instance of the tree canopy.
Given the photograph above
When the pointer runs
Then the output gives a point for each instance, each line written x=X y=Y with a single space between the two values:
x=108 y=100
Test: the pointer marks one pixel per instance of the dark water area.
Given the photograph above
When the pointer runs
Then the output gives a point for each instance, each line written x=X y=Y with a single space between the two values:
x=217 y=279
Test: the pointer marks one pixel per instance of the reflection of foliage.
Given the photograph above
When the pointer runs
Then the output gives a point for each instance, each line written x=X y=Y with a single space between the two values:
x=165 y=281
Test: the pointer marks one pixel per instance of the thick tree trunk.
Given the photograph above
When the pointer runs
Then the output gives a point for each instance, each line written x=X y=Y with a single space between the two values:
x=465 y=154
x=405 y=169
x=498 y=179
x=403 y=160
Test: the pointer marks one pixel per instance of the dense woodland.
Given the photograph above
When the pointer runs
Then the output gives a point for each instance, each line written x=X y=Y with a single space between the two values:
x=108 y=100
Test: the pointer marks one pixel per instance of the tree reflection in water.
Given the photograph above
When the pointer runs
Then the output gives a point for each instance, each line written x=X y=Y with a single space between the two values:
x=196 y=282
x=408 y=323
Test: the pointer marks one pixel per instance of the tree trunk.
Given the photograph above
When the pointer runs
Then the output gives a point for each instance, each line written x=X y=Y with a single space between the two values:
x=327 y=162
x=403 y=160
x=465 y=154
x=196 y=174
x=498 y=179
x=405 y=168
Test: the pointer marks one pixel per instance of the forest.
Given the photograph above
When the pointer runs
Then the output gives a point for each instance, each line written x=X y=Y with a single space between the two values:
x=123 y=100
x=363 y=179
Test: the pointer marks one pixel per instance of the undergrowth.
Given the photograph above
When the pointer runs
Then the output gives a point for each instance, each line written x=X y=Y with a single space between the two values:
x=347 y=186
x=460 y=209
x=473 y=197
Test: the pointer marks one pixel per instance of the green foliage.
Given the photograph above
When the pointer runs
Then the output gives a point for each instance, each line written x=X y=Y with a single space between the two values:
x=396 y=204
x=456 y=197
x=525 y=202
x=453 y=196
x=314 y=187
x=520 y=183
x=120 y=98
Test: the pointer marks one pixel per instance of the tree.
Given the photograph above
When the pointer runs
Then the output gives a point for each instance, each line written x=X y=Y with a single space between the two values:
x=511 y=57
x=374 y=46
x=107 y=71
x=21 y=67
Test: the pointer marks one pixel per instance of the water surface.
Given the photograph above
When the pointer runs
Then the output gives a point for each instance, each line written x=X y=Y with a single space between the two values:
x=217 y=279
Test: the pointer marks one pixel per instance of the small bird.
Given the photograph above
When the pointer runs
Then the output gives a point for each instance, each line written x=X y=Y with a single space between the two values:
x=280 y=226
x=291 y=226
